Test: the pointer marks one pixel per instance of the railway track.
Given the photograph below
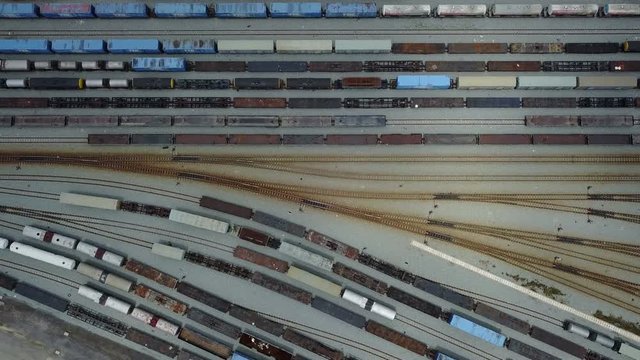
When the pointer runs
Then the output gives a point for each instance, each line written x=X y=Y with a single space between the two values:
x=256 y=32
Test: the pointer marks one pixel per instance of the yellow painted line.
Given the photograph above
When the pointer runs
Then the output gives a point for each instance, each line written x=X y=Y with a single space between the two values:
x=526 y=291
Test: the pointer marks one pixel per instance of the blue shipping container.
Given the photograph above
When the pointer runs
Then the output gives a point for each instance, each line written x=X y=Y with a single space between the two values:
x=241 y=10
x=180 y=10
x=478 y=331
x=342 y=10
x=302 y=10
x=28 y=46
x=66 y=10
x=423 y=82
x=441 y=356
x=93 y=46
x=8 y=10
x=121 y=10
x=134 y=46
x=158 y=64
x=189 y=46
x=239 y=356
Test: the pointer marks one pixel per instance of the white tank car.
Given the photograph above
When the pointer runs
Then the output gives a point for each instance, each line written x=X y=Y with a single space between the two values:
x=104 y=277
x=104 y=299
x=4 y=243
x=50 y=237
x=155 y=321
x=41 y=255
x=369 y=304
x=100 y=253
x=167 y=251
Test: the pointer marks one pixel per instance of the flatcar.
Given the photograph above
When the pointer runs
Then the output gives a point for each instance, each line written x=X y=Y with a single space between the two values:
x=309 y=83
x=406 y=10
x=332 y=244
x=605 y=102
x=153 y=343
x=376 y=103
x=277 y=66
x=104 y=276
x=573 y=10
x=386 y=268
x=536 y=48
x=315 y=281
x=455 y=66
x=621 y=10
x=393 y=66
x=368 y=304
x=335 y=66
x=575 y=66
x=478 y=10
x=360 y=278
x=219 y=265
x=513 y=66
x=207 y=84
x=41 y=255
x=477 y=330
x=50 y=237
x=252 y=121
x=160 y=299
x=629 y=350
x=198 y=221
x=98 y=320
x=514 y=10
x=414 y=302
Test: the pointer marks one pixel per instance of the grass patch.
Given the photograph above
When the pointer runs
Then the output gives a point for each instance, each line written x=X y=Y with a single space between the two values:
x=536 y=286
x=619 y=322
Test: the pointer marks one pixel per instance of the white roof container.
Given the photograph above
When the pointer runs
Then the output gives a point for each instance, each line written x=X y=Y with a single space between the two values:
x=362 y=46
x=167 y=251
x=89 y=200
x=245 y=46
x=198 y=221
x=304 y=46
x=547 y=82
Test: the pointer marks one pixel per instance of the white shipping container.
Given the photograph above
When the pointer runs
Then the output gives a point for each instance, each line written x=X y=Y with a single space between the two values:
x=89 y=200
x=461 y=10
x=357 y=299
x=362 y=46
x=68 y=65
x=4 y=243
x=304 y=46
x=547 y=82
x=316 y=281
x=93 y=83
x=118 y=83
x=516 y=10
x=406 y=10
x=114 y=65
x=167 y=251
x=99 y=253
x=486 y=82
x=198 y=221
x=41 y=255
x=245 y=46
x=306 y=256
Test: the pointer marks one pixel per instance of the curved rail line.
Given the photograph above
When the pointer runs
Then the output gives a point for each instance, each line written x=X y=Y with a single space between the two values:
x=43 y=274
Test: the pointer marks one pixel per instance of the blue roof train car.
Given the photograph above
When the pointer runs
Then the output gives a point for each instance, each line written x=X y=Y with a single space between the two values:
x=158 y=64
x=75 y=46
x=426 y=82
x=240 y=356
x=66 y=10
x=180 y=10
x=134 y=46
x=241 y=10
x=477 y=330
x=297 y=9
x=121 y=10
x=189 y=46
x=10 y=10
x=25 y=46
x=355 y=10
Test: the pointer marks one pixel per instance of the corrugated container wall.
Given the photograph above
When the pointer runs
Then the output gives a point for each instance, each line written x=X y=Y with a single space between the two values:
x=180 y=10
x=241 y=10
x=298 y=9
x=66 y=10
x=189 y=46
x=77 y=46
x=355 y=10
x=121 y=10
x=8 y=10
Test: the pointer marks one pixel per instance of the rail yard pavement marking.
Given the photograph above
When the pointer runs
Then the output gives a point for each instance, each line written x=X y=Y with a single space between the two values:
x=526 y=291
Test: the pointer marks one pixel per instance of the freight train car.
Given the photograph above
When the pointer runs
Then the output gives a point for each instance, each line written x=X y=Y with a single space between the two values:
x=121 y=10
x=351 y=10
x=406 y=10
x=295 y=10
x=180 y=10
x=17 y=10
x=41 y=255
x=515 y=10
x=477 y=10
x=304 y=46
x=240 y=10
